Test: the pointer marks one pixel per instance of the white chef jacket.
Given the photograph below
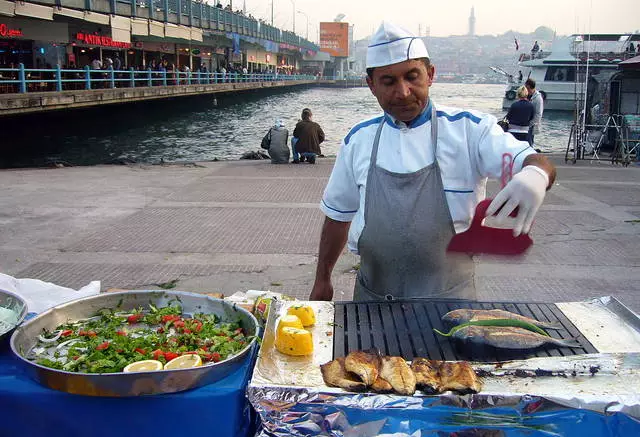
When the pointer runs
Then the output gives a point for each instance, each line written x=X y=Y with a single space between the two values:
x=470 y=149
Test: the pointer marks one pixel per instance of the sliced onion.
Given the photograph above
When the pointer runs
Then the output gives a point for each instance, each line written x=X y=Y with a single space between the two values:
x=50 y=340
x=64 y=343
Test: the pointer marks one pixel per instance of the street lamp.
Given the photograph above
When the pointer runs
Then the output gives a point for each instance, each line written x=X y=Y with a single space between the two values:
x=307 y=17
x=293 y=2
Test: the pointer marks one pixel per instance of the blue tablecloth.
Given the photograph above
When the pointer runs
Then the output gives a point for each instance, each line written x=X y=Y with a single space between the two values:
x=29 y=409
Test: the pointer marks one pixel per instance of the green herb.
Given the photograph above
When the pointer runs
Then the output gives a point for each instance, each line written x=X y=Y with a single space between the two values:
x=495 y=322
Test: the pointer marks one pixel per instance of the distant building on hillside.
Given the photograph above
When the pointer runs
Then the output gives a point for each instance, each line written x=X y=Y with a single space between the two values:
x=472 y=22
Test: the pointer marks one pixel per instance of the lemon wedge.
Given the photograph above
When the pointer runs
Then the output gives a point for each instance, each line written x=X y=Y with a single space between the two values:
x=143 y=366
x=294 y=341
x=305 y=314
x=288 y=321
x=184 y=362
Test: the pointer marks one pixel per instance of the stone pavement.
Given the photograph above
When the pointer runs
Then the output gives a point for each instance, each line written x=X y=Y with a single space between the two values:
x=238 y=225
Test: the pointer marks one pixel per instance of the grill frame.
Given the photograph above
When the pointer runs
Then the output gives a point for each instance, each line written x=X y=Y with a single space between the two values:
x=405 y=328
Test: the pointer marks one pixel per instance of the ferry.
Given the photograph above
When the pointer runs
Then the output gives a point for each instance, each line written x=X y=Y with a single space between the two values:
x=560 y=72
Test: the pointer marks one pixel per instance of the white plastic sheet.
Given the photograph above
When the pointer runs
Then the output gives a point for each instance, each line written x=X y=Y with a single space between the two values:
x=41 y=295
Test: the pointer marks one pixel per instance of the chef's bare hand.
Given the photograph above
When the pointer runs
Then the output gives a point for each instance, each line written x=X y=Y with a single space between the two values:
x=322 y=290
x=526 y=192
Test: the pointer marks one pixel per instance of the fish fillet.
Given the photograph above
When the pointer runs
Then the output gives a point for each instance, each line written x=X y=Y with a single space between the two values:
x=458 y=377
x=364 y=364
x=507 y=337
x=426 y=373
x=382 y=386
x=397 y=372
x=465 y=315
x=335 y=375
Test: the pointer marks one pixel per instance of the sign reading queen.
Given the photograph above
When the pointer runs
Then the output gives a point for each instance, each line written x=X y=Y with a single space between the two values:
x=103 y=41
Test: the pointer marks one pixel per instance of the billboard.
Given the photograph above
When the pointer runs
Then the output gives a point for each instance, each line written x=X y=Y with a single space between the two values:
x=334 y=38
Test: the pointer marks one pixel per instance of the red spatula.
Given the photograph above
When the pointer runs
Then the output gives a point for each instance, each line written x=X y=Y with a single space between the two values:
x=480 y=239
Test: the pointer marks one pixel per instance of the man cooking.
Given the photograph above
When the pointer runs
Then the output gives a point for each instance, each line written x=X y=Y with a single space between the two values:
x=405 y=182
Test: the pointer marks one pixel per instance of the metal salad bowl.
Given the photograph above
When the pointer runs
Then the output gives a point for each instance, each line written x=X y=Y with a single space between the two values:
x=135 y=383
x=13 y=310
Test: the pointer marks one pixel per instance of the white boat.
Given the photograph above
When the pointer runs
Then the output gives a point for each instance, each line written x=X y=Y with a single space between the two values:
x=560 y=73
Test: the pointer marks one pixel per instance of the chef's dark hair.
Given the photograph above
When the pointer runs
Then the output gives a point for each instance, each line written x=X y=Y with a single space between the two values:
x=306 y=114
x=426 y=61
x=530 y=83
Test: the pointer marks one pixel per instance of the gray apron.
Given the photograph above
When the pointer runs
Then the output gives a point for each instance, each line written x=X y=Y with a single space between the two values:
x=407 y=229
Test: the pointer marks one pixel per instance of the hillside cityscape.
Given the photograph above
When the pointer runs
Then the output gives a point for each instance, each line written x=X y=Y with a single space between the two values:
x=467 y=58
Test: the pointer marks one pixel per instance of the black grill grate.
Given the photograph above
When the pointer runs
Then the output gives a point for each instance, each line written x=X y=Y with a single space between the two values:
x=405 y=328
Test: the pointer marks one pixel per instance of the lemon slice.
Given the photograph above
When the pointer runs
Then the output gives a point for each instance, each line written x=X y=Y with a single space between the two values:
x=305 y=314
x=184 y=362
x=143 y=366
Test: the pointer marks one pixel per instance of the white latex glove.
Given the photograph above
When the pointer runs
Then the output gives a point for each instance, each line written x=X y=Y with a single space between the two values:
x=526 y=192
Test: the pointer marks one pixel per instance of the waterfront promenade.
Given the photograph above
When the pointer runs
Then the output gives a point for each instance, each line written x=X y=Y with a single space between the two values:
x=238 y=225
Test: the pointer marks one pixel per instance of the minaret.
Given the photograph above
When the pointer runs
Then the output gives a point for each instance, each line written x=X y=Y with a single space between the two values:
x=472 y=22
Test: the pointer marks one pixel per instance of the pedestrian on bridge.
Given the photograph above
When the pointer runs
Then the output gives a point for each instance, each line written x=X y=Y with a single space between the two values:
x=406 y=182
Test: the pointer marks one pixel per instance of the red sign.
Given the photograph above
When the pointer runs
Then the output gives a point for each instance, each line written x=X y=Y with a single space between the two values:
x=334 y=38
x=103 y=41
x=9 y=33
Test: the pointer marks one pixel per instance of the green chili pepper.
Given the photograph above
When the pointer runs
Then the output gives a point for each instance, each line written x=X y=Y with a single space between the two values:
x=495 y=322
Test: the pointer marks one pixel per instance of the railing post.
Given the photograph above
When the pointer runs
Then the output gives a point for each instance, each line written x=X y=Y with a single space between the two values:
x=199 y=77
x=58 y=78
x=164 y=77
x=132 y=77
x=149 y=80
x=87 y=77
x=22 y=78
x=166 y=10
x=179 y=13
x=191 y=13
x=112 y=6
x=134 y=8
x=188 y=77
x=112 y=76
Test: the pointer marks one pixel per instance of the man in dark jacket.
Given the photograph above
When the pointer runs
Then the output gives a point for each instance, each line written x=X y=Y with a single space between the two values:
x=306 y=140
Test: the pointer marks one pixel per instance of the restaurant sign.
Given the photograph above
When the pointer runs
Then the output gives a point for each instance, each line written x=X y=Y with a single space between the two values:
x=104 y=41
x=7 y=32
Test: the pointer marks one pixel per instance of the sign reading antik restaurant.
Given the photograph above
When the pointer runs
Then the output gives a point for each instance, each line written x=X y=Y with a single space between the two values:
x=7 y=32
x=103 y=41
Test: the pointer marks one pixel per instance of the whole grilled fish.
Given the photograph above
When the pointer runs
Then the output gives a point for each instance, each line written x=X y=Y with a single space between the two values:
x=507 y=337
x=464 y=315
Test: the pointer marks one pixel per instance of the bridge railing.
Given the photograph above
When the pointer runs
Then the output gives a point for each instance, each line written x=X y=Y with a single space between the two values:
x=25 y=80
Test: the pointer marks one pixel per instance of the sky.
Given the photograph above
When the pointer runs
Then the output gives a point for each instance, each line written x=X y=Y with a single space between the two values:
x=450 y=17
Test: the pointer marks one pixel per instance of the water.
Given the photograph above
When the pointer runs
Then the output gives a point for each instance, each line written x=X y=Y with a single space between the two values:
x=199 y=130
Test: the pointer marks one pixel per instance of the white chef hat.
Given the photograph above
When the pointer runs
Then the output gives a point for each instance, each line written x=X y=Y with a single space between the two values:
x=392 y=44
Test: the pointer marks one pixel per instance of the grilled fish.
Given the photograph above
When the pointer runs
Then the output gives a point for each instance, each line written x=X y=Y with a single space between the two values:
x=381 y=386
x=507 y=337
x=364 y=364
x=335 y=375
x=458 y=377
x=397 y=372
x=464 y=315
x=426 y=372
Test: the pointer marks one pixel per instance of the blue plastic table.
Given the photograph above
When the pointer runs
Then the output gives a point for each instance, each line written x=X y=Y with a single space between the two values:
x=29 y=409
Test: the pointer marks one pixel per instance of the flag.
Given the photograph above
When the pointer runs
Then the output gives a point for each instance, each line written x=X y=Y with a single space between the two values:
x=516 y=41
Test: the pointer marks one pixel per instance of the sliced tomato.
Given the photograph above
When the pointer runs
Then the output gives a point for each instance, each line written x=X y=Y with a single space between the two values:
x=160 y=330
x=215 y=357
x=121 y=333
x=87 y=333
x=157 y=354
x=178 y=324
x=239 y=331
x=134 y=318
x=187 y=331
x=66 y=332
x=198 y=326
x=140 y=351
x=170 y=355
x=91 y=333
x=102 y=346
x=169 y=318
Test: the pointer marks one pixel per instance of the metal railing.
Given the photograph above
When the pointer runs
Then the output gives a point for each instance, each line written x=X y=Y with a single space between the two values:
x=188 y=12
x=25 y=80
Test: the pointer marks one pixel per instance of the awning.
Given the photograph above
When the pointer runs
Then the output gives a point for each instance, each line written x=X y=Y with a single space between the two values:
x=35 y=11
x=156 y=28
x=69 y=13
x=631 y=63
x=7 y=8
x=139 y=26
x=196 y=34
x=94 y=17
x=174 y=31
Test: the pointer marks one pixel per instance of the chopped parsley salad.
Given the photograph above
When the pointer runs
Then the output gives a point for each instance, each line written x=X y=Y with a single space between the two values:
x=111 y=340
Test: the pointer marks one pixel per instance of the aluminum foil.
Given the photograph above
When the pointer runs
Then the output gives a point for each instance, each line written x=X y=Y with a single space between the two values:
x=596 y=394
x=306 y=412
x=275 y=368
